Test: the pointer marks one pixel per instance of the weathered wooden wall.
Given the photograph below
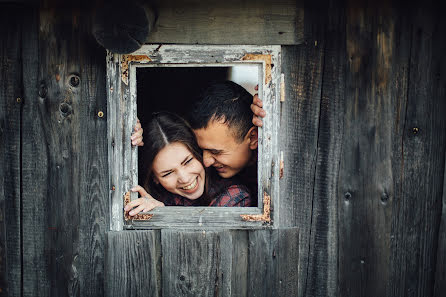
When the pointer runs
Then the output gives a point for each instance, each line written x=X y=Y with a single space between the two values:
x=364 y=177
x=54 y=161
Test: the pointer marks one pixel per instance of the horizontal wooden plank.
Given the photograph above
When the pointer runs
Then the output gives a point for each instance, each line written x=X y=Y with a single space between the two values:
x=133 y=264
x=228 y=22
x=198 y=217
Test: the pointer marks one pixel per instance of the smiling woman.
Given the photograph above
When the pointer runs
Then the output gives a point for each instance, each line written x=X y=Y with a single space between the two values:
x=175 y=172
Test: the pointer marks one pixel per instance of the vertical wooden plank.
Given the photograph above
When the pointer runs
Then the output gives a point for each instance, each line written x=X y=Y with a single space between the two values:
x=196 y=263
x=273 y=262
x=240 y=263
x=260 y=271
x=419 y=197
x=378 y=48
x=94 y=210
x=35 y=163
x=303 y=68
x=286 y=255
x=10 y=118
x=65 y=176
x=440 y=271
x=322 y=275
x=133 y=264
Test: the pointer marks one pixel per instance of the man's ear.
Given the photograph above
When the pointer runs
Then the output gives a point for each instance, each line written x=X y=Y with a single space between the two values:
x=253 y=137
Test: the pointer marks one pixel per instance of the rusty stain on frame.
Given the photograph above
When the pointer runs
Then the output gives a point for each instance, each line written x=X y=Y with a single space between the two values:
x=138 y=217
x=264 y=58
x=125 y=62
x=265 y=216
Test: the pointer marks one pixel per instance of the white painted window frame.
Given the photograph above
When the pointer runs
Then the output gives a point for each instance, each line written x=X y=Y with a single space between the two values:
x=123 y=159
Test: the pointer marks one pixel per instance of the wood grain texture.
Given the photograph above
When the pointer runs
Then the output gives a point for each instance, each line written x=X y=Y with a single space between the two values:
x=94 y=185
x=64 y=158
x=196 y=263
x=230 y=262
x=133 y=264
x=286 y=255
x=10 y=118
x=378 y=48
x=419 y=203
x=35 y=180
x=273 y=262
x=303 y=69
x=213 y=22
x=440 y=271
x=322 y=273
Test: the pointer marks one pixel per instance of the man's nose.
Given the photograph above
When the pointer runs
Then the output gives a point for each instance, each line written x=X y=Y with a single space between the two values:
x=208 y=159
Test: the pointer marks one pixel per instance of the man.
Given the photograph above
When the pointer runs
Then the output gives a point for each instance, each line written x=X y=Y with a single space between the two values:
x=222 y=121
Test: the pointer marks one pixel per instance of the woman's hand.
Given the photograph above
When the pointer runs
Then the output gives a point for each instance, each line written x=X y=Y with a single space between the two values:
x=256 y=108
x=143 y=204
x=137 y=134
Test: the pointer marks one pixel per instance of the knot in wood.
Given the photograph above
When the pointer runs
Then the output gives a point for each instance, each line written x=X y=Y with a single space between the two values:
x=384 y=198
x=65 y=109
x=347 y=196
x=43 y=91
x=74 y=81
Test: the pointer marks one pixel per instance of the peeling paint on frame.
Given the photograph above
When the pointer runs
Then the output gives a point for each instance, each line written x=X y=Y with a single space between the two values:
x=266 y=59
x=265 y=216
x=125 y=61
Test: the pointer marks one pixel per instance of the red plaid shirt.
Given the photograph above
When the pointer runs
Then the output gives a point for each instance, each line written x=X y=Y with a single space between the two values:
x=224 y=192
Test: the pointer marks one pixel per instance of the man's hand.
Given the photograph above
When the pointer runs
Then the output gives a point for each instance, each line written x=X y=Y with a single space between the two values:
x=144 y=204
x=257 y=109
x=137 y=134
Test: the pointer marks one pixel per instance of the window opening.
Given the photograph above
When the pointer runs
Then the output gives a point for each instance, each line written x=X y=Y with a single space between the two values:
x=168 y=77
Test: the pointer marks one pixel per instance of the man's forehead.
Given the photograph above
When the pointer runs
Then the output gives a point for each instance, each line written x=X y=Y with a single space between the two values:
x=216 y=136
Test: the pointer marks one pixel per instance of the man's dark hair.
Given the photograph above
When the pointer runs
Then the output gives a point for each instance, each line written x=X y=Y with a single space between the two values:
x=223 y=101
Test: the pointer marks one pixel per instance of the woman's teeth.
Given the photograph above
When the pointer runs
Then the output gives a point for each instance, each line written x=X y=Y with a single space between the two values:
x=191 y=186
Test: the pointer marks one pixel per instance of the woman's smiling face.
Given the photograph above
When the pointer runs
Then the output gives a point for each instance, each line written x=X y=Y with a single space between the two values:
x=179 y=172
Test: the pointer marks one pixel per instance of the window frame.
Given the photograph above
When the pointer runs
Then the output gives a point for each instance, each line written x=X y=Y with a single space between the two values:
x=123 y=159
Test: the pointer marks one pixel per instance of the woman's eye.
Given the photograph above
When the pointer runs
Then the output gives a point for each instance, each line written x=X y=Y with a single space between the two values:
x=189 y=160
x=166 y=174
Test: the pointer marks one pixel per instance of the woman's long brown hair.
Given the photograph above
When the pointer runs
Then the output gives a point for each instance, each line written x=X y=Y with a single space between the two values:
x=163 y=129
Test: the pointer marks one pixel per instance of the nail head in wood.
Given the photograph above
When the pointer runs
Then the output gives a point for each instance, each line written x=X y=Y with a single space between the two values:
x=101 y=114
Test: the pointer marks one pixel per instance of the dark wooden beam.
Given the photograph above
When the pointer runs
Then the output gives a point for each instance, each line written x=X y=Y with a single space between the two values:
x=123 y=27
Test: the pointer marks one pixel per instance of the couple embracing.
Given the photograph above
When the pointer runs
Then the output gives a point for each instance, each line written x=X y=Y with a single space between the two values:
x=209 y=160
